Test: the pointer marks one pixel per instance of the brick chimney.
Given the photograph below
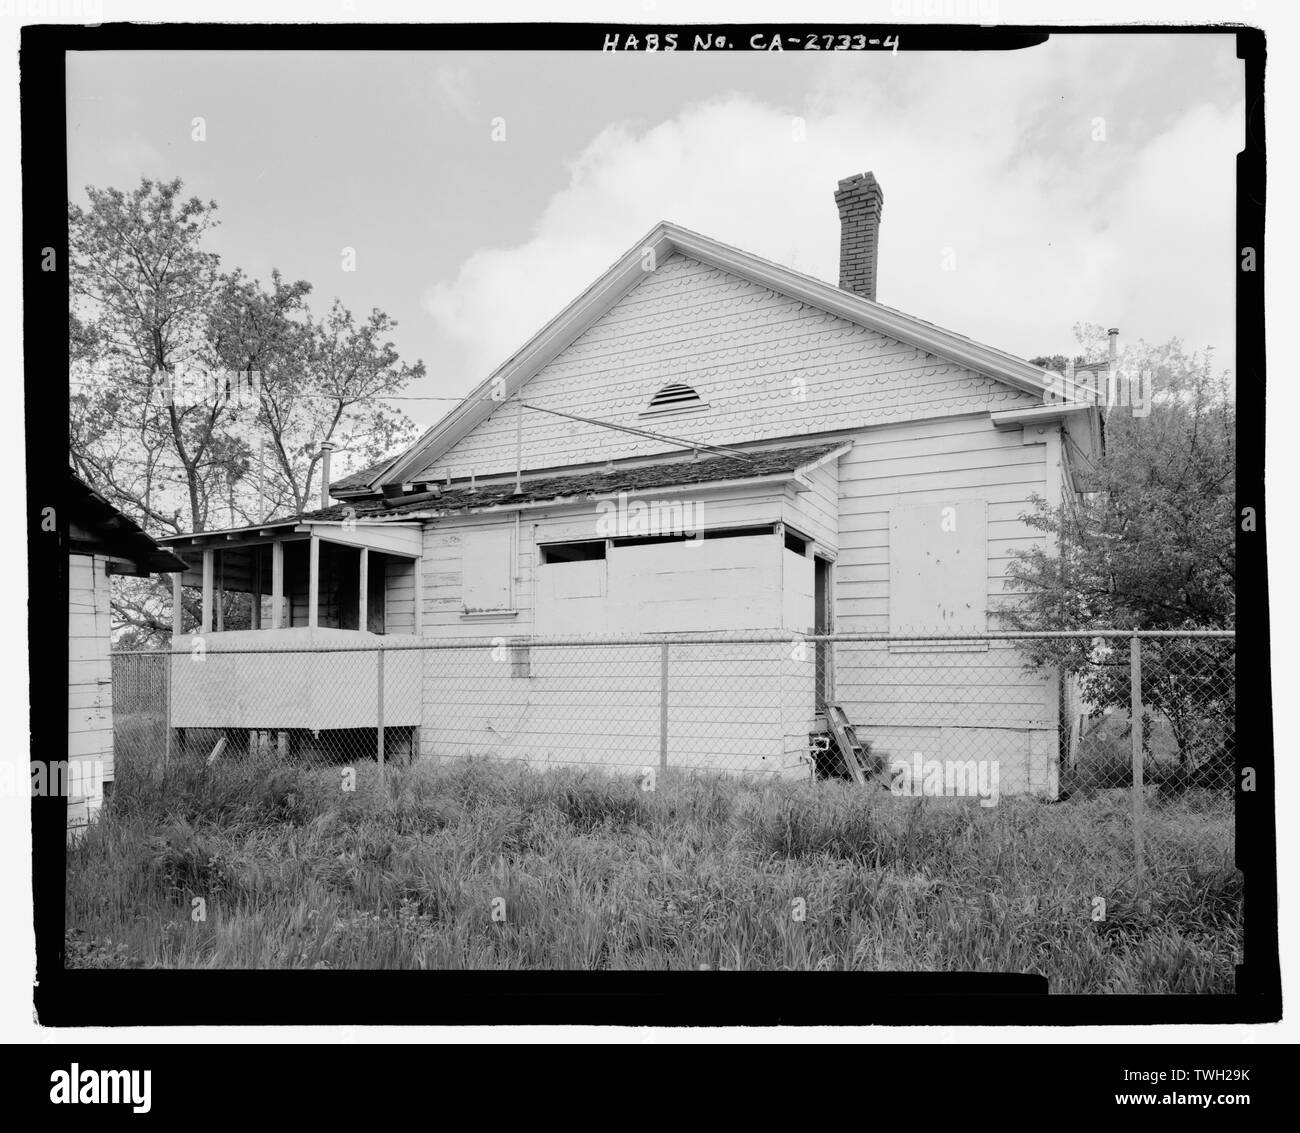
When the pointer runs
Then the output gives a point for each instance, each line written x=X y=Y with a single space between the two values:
x=859 y=200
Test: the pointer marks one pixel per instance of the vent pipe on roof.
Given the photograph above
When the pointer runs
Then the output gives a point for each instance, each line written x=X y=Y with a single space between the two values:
x=325 y=449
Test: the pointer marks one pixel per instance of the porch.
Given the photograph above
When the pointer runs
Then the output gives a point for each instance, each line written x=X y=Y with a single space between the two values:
x=292 y=618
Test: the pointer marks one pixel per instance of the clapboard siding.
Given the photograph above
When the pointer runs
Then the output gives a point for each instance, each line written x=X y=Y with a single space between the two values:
x=977 y=704
x=736 y=708
x=945 y=462
x=90 y=683
x=767 y=366
x=399 y=595
x=816 y=512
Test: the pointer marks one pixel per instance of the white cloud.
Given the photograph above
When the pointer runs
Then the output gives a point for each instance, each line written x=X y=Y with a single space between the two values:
x=1049 y=226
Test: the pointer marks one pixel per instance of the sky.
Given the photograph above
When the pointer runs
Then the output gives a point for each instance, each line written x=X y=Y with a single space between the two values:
x=1090 y=179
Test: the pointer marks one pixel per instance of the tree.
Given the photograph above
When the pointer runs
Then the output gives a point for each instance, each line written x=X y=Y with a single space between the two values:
x=142 y=286
x=321 y=381
x=1148 y=544
x=151 y=311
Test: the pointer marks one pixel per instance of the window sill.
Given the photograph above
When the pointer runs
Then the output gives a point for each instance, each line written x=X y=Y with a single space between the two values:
x=488 y=615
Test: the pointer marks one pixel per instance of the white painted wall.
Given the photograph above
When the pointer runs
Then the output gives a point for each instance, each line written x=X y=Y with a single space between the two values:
x=90 y=683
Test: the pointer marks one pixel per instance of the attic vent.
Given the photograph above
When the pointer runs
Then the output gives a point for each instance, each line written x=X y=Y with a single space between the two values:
x=675 y=395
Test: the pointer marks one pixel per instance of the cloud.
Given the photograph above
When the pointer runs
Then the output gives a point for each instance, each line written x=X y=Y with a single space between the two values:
x=1001 y=165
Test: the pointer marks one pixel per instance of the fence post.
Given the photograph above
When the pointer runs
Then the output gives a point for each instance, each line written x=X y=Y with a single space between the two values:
x=1135 y=730
x=167 y=707
x=379 y=720
x=663 y=706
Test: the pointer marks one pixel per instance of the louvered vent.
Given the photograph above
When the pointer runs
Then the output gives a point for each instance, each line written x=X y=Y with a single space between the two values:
x=675 y=395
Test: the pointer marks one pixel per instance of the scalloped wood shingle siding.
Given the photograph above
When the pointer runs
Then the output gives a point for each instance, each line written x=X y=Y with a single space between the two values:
x=768 y=367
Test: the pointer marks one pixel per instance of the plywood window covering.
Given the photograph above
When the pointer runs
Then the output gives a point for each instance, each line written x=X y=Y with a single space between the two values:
x=938 y=572
x=487 y=558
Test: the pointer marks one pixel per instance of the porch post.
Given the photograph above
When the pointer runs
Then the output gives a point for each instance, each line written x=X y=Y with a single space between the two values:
x=363 y=588
x=313 y=582
x=221 y=589
x=277 y=584
x=255 y=568
x=205 y=626
x=178 y=620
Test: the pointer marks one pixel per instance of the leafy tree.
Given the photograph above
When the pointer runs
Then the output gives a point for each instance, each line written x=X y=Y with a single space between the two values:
x=150 y=309
x=142 y=285
x=1149 y=543
x=321 y=381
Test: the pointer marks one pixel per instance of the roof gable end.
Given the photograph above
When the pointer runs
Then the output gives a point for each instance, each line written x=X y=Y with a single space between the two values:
x=660 y=243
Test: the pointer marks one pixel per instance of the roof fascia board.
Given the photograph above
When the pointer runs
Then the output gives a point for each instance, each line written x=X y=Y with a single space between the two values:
x=392 y=538
x=826 y=458
x=197 y=538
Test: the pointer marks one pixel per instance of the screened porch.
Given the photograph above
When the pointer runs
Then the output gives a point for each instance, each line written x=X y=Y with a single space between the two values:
x=281 y=612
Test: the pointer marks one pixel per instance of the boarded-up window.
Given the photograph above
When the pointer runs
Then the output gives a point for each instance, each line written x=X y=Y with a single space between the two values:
x=938 y=567
x=486 y=569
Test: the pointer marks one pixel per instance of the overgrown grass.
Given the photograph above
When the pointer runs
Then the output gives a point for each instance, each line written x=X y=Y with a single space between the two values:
x=591 y=872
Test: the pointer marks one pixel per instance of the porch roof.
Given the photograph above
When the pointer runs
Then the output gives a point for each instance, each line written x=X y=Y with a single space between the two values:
x=399 y=538
x=674 y=472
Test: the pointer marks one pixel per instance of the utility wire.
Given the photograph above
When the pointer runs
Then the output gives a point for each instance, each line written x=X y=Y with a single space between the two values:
x=646 y=433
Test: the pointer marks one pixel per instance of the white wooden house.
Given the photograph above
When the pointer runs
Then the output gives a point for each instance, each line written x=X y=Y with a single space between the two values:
x=844 y=465
x=102 y=542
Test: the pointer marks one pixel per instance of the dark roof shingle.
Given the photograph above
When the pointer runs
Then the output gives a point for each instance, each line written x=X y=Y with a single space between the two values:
x=359 y=480
x=639 y=478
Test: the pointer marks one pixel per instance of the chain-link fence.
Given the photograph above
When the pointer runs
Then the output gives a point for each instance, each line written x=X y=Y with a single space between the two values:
x=1034 y=731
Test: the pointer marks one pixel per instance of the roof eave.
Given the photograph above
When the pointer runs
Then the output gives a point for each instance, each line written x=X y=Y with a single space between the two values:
x=1037 y=414
x=586 y=498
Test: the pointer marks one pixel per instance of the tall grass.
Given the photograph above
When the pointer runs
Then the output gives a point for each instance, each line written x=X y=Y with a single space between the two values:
x=483 y=864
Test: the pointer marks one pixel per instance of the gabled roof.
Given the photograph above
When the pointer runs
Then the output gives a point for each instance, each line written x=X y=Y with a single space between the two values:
x=106 y=531
x=663 y=240
x=673 y=471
